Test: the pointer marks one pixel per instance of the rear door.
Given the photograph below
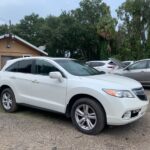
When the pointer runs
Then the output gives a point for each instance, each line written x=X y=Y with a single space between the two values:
x=137 y=71
x=21 y=75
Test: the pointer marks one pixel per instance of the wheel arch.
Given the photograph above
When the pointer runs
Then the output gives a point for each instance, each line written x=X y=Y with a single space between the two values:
x=78 y=96
x=4 y=87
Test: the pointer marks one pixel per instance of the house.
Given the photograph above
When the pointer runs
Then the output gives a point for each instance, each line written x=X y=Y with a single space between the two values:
x=12 y=46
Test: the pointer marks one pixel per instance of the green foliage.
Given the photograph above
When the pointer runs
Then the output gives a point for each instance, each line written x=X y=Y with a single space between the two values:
x=29 y=29
x=3 y=29
x=87 y=32
x=135 y=29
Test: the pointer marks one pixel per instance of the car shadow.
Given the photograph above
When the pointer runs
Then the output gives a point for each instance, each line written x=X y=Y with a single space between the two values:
x=42 y=113
x=58 y=118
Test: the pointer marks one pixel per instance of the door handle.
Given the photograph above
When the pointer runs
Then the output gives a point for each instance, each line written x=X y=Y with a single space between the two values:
x=35 y=81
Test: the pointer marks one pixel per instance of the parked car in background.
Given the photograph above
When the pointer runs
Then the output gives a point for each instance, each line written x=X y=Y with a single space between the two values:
x=90 y=98
x=139 y=71
x=127 y=63
x=107 y=66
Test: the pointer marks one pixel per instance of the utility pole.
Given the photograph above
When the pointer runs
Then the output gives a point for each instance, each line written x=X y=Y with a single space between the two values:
x=9 y=27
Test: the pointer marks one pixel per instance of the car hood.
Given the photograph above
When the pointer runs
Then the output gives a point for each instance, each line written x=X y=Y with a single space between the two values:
x=118 y=80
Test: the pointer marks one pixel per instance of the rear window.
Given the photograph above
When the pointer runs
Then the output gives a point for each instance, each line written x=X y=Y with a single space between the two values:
x=96 y=64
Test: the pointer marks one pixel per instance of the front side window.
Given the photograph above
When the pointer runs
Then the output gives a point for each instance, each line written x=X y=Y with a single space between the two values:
x=44 y=68
x=139 y=65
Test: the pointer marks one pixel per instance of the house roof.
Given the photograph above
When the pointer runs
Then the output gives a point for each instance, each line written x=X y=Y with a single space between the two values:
x=23 y=41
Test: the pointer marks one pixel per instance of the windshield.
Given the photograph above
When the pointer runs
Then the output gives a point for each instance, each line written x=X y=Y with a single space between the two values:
x=77 y=68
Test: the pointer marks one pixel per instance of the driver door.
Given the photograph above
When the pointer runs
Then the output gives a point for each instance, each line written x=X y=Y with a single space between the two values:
x=49 y=93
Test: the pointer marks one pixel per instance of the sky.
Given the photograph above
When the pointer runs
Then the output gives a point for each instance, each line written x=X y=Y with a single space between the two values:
x=15 y=10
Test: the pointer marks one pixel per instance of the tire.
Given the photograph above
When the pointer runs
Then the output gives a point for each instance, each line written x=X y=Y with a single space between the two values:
x=88 y=109
x=8 y=101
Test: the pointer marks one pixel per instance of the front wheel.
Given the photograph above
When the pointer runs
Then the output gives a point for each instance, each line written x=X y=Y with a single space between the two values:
x=8 y=100
x=88 y=116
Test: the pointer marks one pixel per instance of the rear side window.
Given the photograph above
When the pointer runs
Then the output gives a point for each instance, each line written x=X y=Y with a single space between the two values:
x=44 y=68
x=25 y=66
x=13 y=67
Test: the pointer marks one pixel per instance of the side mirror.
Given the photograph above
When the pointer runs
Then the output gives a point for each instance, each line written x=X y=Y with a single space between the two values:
x=56 y=75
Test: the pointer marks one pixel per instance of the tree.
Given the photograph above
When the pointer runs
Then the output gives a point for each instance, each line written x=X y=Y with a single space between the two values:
x=29 y=29
x=135 y=18
x=3 y=29
x=86 y=32
x=93 y=15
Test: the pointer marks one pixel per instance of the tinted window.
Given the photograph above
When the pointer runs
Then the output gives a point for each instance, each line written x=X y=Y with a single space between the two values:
x=139 y=65
x=13 y=67
x=44 y=68
x=96 y=64
x=25 y=66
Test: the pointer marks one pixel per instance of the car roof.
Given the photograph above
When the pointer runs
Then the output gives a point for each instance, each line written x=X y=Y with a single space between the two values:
x=39 y=57
x=9 y=62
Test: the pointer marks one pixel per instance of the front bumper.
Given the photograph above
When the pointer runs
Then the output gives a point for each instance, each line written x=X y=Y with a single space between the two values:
x=112 y=120
x=118 y=107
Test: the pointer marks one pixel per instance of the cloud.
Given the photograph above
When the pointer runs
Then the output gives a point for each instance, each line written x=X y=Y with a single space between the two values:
x=16 y=9
x=5 y=3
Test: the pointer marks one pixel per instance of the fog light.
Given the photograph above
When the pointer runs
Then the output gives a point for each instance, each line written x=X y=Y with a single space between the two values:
x=127 y=115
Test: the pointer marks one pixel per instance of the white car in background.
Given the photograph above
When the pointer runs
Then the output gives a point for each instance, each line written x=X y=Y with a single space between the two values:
x=90 y=98
x=107 y=66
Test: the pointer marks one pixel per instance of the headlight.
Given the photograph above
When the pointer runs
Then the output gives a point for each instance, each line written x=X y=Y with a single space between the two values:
x=119 y=93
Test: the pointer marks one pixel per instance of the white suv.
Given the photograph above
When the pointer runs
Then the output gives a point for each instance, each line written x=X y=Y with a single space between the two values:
x=90 y=98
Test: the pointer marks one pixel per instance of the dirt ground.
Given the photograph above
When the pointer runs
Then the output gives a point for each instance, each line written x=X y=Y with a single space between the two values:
x=31 y=129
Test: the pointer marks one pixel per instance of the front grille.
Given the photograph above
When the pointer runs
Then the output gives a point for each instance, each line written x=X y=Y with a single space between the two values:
x=139 y=92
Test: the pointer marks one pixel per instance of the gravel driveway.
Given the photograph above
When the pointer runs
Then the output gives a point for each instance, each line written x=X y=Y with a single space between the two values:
x=31 y=129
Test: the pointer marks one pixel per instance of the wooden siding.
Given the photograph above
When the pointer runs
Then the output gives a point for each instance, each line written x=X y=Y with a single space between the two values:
x=16 y=49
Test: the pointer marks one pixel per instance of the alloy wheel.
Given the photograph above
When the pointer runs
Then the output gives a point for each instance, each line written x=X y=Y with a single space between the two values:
x=85 y=117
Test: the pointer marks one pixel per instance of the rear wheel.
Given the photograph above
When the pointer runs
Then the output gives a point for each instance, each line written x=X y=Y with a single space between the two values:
x=88 y=116
x=8 y=100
